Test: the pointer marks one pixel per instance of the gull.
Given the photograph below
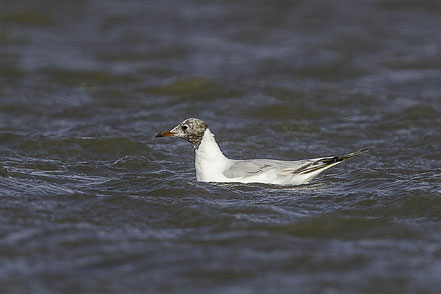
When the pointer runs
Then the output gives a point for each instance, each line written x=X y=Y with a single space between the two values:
x=213 y=166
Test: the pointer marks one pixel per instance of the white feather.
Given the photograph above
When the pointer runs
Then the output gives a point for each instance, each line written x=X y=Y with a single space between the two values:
x=213 y=166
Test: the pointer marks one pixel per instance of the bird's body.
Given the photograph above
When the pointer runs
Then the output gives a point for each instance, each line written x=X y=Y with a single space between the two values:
x=213 y=166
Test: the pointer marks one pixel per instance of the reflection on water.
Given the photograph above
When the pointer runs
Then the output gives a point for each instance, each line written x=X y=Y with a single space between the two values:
x=89 y=201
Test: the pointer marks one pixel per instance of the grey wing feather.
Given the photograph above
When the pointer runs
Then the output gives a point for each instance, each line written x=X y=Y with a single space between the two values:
x=245 y=168
x=252 y=167
x=242 y=168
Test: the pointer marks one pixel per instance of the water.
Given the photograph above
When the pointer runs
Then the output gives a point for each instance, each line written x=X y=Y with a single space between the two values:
x=90 y=202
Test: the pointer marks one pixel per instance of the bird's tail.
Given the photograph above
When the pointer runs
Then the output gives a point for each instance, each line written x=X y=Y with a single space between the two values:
x=334 y=159
x=324 y=163
x=352 y=154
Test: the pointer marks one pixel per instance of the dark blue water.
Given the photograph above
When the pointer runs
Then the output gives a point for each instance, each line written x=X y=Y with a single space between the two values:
x=90 y=202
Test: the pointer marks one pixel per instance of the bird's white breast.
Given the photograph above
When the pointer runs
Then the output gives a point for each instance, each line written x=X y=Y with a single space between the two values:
x=210 y=162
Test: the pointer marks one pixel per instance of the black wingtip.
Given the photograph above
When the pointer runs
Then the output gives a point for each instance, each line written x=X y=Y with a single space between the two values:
x=352 y=154
x=326 y=162
x=366 y=149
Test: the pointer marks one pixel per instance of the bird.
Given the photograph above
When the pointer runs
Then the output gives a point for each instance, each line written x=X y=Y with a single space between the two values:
x=213 y=166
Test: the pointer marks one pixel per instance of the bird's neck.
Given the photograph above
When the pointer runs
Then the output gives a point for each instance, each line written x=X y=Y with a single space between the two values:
x=208 y=148
x=209 y=159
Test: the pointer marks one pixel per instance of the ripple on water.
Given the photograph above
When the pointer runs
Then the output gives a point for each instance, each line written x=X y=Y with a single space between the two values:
x=29 y=17
x=420 y=112
x=163 y=52
x=87 y=78
x=81 y=148
x=194 y=88
x=285 y=112
x=335 y=226
x=3 y=171
x=9 y=38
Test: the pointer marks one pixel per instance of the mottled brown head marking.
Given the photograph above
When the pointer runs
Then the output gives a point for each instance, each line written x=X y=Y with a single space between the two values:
x=191 y=129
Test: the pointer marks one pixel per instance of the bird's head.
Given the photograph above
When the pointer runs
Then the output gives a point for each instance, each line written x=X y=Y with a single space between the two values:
x=191 y=129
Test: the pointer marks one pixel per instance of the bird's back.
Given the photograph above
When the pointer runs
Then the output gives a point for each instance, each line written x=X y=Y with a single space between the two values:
x=282 y=172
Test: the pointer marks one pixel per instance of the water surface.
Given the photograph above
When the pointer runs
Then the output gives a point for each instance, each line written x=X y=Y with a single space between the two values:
x=91 y=202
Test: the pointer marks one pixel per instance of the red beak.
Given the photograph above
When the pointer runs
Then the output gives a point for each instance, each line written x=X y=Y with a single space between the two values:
x=164 y=134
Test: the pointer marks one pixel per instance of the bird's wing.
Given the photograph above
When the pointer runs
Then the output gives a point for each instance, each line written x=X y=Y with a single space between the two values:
x=253 y=167
x=326 y=162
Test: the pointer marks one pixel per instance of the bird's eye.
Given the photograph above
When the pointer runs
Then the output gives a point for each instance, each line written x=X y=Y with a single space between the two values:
x=184 y=127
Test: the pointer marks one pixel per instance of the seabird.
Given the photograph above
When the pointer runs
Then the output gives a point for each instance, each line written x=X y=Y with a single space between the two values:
x=213 y=166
